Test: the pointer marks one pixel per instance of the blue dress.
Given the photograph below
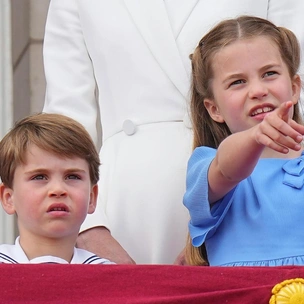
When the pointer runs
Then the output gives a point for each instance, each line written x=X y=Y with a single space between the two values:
x=258 y=223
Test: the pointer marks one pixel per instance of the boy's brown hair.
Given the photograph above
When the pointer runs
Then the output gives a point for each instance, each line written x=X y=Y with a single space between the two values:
x=53 y=133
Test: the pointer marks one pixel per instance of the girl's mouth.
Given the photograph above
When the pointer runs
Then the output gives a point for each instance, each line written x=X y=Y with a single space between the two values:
x=262 y=110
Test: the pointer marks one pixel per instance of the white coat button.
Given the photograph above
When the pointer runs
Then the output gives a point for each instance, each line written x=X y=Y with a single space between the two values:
x=187 y=121
x=129 y=127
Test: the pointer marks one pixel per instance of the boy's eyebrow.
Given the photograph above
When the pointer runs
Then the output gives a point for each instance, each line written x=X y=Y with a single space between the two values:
x=42 y=169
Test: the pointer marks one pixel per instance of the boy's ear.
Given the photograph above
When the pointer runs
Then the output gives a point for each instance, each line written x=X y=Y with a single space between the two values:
x=93 y=199
x=6 y=198
x=213 y=110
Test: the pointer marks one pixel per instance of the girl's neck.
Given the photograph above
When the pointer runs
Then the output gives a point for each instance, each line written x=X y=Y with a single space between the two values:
x=269 y=153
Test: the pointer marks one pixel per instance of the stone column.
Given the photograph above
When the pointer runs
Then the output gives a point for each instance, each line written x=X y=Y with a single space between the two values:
x=6 y=101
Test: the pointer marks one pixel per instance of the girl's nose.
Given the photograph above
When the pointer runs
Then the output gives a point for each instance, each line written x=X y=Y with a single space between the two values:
x=257 y=90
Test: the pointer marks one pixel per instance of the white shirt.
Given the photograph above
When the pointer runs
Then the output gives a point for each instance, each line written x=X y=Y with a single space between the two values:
x=178 y=12
x=14 y=254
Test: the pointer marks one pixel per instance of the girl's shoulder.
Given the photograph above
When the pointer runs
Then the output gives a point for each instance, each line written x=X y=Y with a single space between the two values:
x=204 y=151
x=201 y=155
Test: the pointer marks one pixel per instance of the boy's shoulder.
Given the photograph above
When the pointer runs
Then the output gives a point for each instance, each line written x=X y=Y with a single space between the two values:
x=10 y=254
x=14 y=254
x=82 y=256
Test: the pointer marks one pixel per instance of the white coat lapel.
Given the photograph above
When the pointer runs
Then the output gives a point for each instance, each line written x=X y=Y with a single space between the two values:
x=151 y=19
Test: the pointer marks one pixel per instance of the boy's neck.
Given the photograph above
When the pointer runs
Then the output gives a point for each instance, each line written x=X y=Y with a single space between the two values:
x=39 y=246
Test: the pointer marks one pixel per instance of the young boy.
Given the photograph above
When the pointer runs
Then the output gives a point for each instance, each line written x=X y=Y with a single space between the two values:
x=49 y=169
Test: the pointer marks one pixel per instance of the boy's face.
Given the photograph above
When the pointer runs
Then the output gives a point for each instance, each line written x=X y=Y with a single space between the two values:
x=51 y=195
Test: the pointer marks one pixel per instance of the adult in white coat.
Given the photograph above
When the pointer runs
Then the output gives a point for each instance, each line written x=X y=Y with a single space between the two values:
x=126 y=63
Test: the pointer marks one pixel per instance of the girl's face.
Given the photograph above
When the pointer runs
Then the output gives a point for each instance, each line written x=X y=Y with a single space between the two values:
x=250 y=80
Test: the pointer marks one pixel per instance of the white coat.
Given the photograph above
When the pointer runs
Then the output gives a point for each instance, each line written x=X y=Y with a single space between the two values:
x=139 y=59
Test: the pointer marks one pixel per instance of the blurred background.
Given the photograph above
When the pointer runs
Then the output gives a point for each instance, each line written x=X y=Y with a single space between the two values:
x=22 y=82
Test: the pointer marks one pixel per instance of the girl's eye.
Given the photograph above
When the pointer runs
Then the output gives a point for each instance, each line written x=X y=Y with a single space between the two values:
x=73 y=176
x=236 y=82
x=270 y=73
x=39 y=177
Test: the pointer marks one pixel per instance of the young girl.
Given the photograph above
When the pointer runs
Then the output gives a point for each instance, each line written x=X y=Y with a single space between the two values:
x=245 y=178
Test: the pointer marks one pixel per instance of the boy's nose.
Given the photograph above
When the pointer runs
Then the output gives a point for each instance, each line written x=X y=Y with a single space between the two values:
x=57 y=190
x=57 y=193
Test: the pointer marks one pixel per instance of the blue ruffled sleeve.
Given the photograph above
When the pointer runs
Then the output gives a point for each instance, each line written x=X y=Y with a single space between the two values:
x=203 y=220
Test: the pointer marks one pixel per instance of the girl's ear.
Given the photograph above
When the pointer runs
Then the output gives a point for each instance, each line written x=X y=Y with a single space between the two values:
x=93 y=199
x=296 y=88
x=213 y=110
x=6 y=198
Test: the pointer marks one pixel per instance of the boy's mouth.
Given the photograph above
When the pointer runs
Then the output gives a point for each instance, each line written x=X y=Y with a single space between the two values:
x=58 y=207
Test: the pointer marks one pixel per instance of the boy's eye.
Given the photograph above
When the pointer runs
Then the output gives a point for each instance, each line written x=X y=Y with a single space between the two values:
x=73 y=176
x=39 y=177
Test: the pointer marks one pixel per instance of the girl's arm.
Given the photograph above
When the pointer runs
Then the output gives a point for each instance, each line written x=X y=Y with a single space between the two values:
x=238 y=154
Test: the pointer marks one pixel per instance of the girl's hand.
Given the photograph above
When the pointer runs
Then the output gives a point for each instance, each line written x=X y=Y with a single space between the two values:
x=278 y=131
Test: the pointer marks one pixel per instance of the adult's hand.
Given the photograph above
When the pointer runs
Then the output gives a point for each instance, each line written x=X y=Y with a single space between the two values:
x=100 y=241
x=181 y=260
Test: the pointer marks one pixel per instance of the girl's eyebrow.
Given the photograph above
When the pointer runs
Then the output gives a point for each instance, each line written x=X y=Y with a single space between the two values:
x=233 y=77
x=270 y=66
x=241 y=75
